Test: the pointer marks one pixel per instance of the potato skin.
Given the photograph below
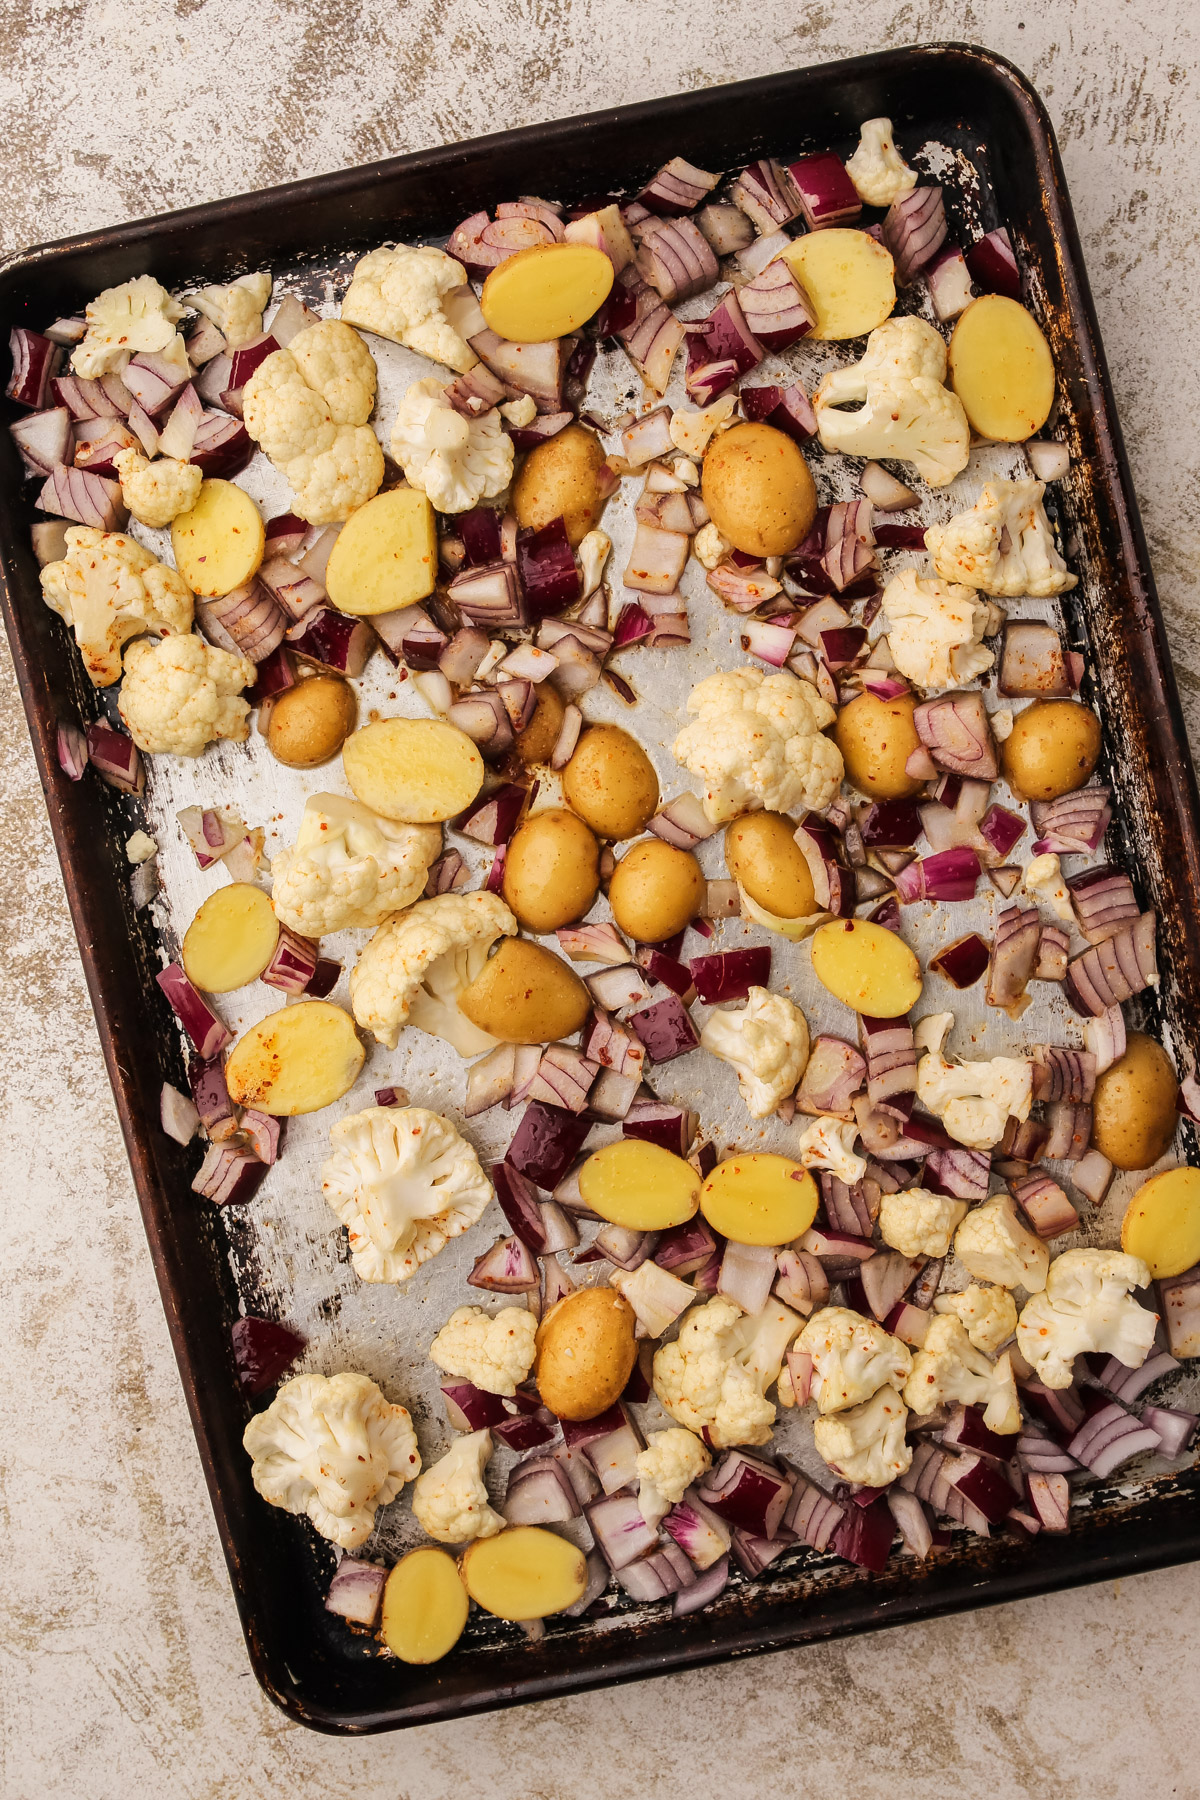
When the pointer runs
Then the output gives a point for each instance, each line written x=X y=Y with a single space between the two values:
x=876 y=737
x=310 y=722
x=655 y=891
x=761 y=853
x=552 y=870
x=1133 y=1108
x=536 y=743
x=585 y=1352
x=759 y=490
x=611 y=783
x=526 y=995
x=1052 y=749
x=563 y=477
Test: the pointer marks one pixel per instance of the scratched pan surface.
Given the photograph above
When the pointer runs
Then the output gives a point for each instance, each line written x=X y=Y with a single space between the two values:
x=284 y=1255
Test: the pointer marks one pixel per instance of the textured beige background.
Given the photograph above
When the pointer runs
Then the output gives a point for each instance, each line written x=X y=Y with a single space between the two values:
x=121 y=1666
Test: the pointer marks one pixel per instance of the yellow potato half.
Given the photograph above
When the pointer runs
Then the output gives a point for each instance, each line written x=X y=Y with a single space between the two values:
x=849 y=278
x=866 y=967
x=524 y=1573
x=419 y=771
x=545 y=292
x=586 y=1349
x=876 y=737
x=218 y=545
x=1162 y=1223
x=1134 y=1106
x=298 y=1060
x=763 y=857
x=1001 y=369
x=231 y=939
x=639 y=1185
x=759 y=490
x=425 y=1606
x=385 y=556
x=526 y=995
x=759 y=1199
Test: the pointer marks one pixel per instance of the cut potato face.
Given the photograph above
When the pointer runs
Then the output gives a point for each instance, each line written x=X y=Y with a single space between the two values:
x=759 y=490
x=586 y=1350
x=298 y=1060
x=1162 y=1223
x=524 y=1573
x=639 y=1185
x=849 y=278
x=218 y=545
x=759 y=1199
x=425 y=1606
x=525 y=995
x=418 y=771
x=866 y=967
x=1001 y=369
x=547 y=291
x=385 y=556
x=231 y=939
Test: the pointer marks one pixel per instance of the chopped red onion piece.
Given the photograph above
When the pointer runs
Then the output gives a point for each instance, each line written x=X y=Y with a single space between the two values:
x=539 y=1493
x=206 y=1031
x=547 y=570
x=1049 y=461
x=493 y=818
x=827 y=194
x=1175 y=1429
x=507 y=1268
x=546 y=1143
x=949 y=282
x=1045 y=1205
x=725 y=228
x=833 y=884
x=325 y=979
x=666 y=1030
x=1108 y=974
x=747 y=1275
x=833 y=1074
x=886 y=1277
x=914 y=230
x=229 y=1175
x=86 y=498
x=865 y=1535
x=391 y=1096
x=35 y=359
x=43 y=440
x=264 y=1133
x=335 y=642
x=747 y=1493
x=115 y=758
x=178 y=1115
x=1179 y=1299
x=1103 y=900
x=890 y=824
x=670 y=1127
x=490 y=1080
x=221 y=448
x=964 y=961
x=356 y=1591
x=1109 y=1437
x=564 y=1078
x=72 y=750
x=1032 y=661
x=523 y=1433
x=262 y=1350
x=993 y=264
x=675 y=258
x=615 y=988
x=678 y=187
x=293 y=964
x=948 y=875
x=777 y=311
x=956 y=732
x=731 y=974
x=959 y=1172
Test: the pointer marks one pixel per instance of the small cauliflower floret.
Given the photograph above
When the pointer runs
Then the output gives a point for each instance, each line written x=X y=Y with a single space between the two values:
x=416 y=966
x=701 y=1381
x=757 y=744
x=851 y=1357
x=908 y=414
x=156 y=492
x=828 y=1143
x=235 y=310
x=993 y=1245
x=307 y=407
x=973 y=1100
x=918 y=1223
x=181 y=694
x=936 y=631
x=879 y=172
x=691 y=431
x=397 y=292
x=988 y=1313
x=709 y=547
x=949 y=1371
x=108 y=589
x=866 y=1444
x=1003 y=544
x=349 y=868
x=592 y=555
x=1087 y=1305
x=522 y=411
x=458 y=462
x=494 y=1352
x=671 y=1462
x=767 y=1043
x=450 y=1500
x=1044 y=882
x=139 y=315
x=335 y=1449
x=403 y=1182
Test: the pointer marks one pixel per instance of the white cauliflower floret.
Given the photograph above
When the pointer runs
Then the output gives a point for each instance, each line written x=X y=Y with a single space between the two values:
x=494 y=1352
x=334 y=1448
x=307 y=407
x=918 y=1223
x=181 y=694
x=851 y=1357
x=157 y=492
x=1003 y=544
x=866 y=1444
x=1044 y=882
x=828 y=1143
x=450 y=1500
x=994 y=1245
x=757 y=744
x=458 y=462
x=691 y=431
x=708 y=546
x=236 y=310
x=936 y=631
x=973 y=1100
x=701 y=1382
x=403 y=1183
x=948 y=1371
x=522 y=411
x=671 y=1462
x=397 y=293
x=139 y=315
x=417 y=964
x=767 y=1043
x=908 y=416
x=349 y=868
x=108 y=589
x=988 y=1313
x=879 y=172
x=1087 y=1305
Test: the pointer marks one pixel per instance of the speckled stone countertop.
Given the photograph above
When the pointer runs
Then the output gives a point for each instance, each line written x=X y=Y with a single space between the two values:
x=122 y=1671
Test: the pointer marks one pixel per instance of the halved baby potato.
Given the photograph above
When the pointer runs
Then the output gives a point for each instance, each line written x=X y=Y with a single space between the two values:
x=1162 y=1223
x=849 y=278
x=867 y=967
x=1001 y=369
x=418 y=771
x=640 y=1185
x=524 y=1573
x=231 y=939
x=218 y=545
x=759 y=1199
x=525 y=995
x=425 y=1606
x=546 y=291
x=763 y=857
x=385 y=555
x=586 y=1349
x=298 y=1060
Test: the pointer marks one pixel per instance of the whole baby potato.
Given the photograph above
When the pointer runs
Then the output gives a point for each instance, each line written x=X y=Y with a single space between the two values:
x=1133 y=1108
x=762 y=854
x=759 y=490
x=536 y=743
x=552 y=870
x=585 y=1352
x=310 y=722
x=565 y=477
x=526 y=995
x=1052 y=749
x=610 y=782
x=655 y=891
x=876 y=738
